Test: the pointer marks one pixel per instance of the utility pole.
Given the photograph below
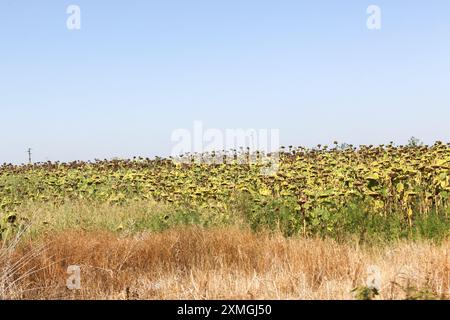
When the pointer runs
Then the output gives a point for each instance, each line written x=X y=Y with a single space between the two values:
x=29 y=155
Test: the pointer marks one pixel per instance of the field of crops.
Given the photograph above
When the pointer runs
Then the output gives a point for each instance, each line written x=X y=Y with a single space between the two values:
x=308 y=192
x=161 y=229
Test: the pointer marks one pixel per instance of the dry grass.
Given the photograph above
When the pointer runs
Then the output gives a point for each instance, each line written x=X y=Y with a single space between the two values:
x=226 y=263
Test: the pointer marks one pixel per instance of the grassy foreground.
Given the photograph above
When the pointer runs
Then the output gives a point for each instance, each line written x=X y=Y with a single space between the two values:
x=225 y=263
x=146 y=250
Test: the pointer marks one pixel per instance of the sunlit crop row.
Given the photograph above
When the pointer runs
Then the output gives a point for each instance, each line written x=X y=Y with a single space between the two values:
x=402 y=180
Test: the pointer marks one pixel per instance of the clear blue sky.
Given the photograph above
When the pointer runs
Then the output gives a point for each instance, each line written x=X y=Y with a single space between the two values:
x=137 y=70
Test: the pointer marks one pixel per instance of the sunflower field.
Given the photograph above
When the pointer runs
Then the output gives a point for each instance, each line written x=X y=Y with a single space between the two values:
x=308 y=192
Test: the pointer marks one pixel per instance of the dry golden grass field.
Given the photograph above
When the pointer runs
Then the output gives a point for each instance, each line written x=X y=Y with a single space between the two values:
x=232 y=263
